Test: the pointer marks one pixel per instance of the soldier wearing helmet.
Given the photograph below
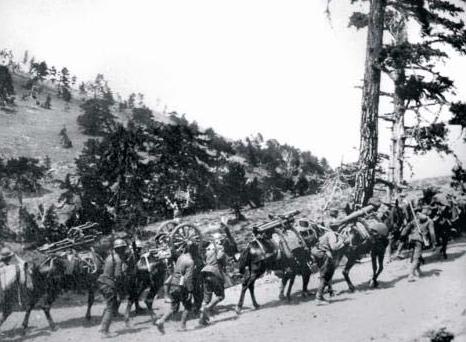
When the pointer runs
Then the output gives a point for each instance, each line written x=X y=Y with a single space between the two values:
x=214 y=276
x=5 y=256
x=110 y=281
x=182 y=285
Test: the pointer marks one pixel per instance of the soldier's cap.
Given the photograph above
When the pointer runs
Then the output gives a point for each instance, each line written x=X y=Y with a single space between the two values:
x=6 y=253
x=217 y=236
x=119 y=243
x=422 y=216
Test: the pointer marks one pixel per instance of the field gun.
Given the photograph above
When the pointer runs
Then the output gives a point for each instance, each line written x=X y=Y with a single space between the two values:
x=78 y=237
x=278 y=221
x=357 y=214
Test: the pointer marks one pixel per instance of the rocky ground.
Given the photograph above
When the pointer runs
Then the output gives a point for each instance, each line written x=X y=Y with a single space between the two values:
x=396 y=311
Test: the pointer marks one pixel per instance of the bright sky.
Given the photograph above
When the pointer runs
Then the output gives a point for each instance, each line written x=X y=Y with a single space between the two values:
x=244 y=66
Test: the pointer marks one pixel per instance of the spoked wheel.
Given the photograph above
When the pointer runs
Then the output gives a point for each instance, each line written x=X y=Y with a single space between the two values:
x=168 y=227
x=183 y=234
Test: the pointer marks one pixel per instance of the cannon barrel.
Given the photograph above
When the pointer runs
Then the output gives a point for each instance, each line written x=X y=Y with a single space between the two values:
x=355 y=215
x=278 y=221
x=67 y=244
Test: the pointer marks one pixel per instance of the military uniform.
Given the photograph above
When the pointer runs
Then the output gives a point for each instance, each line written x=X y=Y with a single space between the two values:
x=443 y=227
x=182 y=285
x=417 y=232
x=323 y=255
x=213 y=275
x=110 y=283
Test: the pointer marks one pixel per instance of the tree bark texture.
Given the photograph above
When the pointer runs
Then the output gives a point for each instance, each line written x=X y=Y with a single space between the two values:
x=401 y=37
x=368 y=147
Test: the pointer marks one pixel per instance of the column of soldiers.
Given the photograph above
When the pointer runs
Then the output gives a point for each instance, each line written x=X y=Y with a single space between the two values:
x=410 y=225
x=416 y=225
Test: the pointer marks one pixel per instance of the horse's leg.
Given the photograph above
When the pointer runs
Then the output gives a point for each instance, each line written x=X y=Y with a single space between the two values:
x=349 y=264
x=252 y=281
x=90 y=302
x=149 y=300
x=281 y=295
x=49 y=299
x=290 y=286
x=306 y=277
x=25 y=324
x=380 y=257
x=244 y=287
x=136 y=301
x=373 y=281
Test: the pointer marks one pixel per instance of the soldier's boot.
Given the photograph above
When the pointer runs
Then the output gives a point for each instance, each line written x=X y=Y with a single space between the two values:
x=106 y=321
x=320 y=293
x=160 y=325
x=204 y=317
x=412 y=272
x=184 y=318
x=397 y=254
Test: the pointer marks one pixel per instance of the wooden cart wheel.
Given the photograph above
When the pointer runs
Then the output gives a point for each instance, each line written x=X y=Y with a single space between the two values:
x=167 y=227
x=184 y=233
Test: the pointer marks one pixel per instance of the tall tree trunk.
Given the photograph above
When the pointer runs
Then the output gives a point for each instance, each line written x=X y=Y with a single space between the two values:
x=399 y=110
x=368 y=147
x=392 y=164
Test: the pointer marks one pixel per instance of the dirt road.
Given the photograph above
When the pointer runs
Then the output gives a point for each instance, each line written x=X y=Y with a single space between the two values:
x=397 y=311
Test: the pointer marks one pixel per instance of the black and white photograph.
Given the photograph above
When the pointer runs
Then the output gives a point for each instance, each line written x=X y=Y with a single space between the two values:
x=233 y=171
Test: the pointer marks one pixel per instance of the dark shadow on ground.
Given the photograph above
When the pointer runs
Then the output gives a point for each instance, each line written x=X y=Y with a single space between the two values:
x=14 y=335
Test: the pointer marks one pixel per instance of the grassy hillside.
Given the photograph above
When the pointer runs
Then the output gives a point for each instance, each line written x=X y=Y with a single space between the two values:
x=32 y=131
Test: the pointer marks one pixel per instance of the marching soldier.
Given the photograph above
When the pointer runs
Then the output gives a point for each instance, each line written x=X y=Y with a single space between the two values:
x=111 y=282
x=442 y=222
x=324 y=254
x=417 y=231
x=213 y=275
x=182 y=286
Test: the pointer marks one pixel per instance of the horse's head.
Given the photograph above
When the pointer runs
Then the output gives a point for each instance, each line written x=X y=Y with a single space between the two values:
x=309 y=231
x=351 y=235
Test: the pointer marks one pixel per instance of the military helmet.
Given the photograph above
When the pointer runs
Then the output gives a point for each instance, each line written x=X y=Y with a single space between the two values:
x=119 y=243
x=333 y=212
x=5 y=254
x=217 y=236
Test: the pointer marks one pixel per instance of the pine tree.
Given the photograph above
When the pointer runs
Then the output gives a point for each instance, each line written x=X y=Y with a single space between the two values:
x=26 y=57
x=22 y=175
x=39 y=71
x=302 y=185
x=53 y=74
x=48 y=102
x=143 y=116
x=131 y=100
x=97 y=118
x=234 y=190
x=6 y=86
x=64 y=139
x=419 y=89
x=368 y=149
x=3 y=215
x=29 y=228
